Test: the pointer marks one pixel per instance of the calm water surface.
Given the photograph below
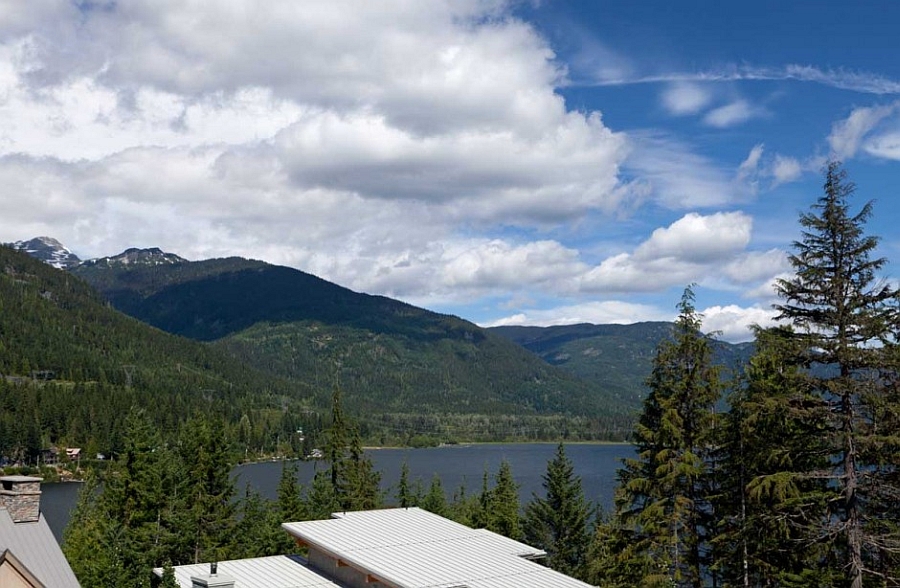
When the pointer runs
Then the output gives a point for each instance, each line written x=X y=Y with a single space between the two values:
x=458 y=465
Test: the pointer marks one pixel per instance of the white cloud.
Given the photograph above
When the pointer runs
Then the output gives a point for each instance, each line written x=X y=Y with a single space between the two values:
x=855 y=81
x=748 y=171
x=735 y=113
x=679 y=254
x=754 y=266
x=685 y=98
x=733 y=323
x=847 y=135
x=699 y=239
x=288 y=129
x=885 y=145
x=786 y=169
x=680 y=178
x=497 y=263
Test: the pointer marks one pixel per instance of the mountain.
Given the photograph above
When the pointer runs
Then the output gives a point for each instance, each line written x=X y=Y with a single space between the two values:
x=621 y=356
x=397 y=363
x=48 y=250
x=71 y=368
x=401 y=367
x=134 y=256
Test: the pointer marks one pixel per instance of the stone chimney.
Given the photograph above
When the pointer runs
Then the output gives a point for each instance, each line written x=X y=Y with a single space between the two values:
x=213 y=580
x=21 y=497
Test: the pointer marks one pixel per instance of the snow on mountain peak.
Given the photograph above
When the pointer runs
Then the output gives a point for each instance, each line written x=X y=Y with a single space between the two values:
x=48 y=250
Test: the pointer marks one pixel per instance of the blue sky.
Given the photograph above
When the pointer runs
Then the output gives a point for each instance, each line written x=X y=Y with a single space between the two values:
x=509 y=162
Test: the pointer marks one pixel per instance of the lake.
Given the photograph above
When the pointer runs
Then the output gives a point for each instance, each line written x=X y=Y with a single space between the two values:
x=456 y=465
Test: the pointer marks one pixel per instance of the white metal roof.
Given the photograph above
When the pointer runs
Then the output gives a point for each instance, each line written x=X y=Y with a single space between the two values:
x=413 y=548
x=33 y=544
x=277 y=571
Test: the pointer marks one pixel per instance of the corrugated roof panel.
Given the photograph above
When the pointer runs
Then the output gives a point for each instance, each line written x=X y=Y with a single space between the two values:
x=412 y=548
x=277 y=571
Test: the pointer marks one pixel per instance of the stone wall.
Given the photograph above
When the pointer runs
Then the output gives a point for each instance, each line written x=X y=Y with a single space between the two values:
x=21 y=496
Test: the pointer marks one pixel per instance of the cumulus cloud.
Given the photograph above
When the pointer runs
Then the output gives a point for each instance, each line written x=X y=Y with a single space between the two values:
x=678 y=254
x=733 y=323
x=420 y=150
x=754 y=266
x=683 y=98
x=289 y=130
x=699 y=239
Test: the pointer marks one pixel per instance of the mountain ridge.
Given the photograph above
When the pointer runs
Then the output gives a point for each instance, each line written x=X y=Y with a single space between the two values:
x=389 y=354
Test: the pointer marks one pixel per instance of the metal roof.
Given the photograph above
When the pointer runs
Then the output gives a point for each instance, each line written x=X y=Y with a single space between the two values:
x=413 y=548
x=35 y=547
x=277 y=571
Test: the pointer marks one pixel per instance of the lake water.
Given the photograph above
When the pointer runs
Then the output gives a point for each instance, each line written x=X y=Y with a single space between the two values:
x=456 y=465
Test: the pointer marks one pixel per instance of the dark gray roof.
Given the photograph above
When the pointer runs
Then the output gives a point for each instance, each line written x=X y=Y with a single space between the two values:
x=35 y=547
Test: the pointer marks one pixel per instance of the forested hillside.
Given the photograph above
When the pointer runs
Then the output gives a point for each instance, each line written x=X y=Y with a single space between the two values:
x=72 y=367
x=405 y=371
x=619 y=356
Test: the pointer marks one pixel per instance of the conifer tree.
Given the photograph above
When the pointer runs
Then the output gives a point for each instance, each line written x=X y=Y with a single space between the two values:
x=208 y=489
x=320 y=500
x=168 y=578
x=90 y=541
x=435 y=500
x=663 y=501
x=290 y=494
x=354 y=481
x=258 y=530
x=768 y=436
x=405 y=496
x=502 y=511
x=845 y=317
x=558 y=522
x=465 y=508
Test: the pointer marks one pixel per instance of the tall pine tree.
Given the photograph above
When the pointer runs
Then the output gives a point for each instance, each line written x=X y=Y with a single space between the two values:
x=846 y=319
x=663 y=504
x=354 y=481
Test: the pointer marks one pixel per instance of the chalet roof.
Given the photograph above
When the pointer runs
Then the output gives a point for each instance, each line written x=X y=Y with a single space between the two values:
x=413 y=548
x=35 y=548
x=277 y=571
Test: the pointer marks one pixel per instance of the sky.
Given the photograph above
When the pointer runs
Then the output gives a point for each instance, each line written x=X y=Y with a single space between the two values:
x=509 y=162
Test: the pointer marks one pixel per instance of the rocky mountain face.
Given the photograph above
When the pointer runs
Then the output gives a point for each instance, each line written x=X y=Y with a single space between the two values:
x=136 y=257
x=48 y=250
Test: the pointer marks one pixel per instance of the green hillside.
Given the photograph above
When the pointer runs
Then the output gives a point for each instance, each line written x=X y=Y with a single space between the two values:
x=619 y=356
x=399 y=366
x=72 y=367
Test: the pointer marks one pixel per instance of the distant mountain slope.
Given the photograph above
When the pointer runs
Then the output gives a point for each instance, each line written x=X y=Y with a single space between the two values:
x=72 y=367
x=396 y=363
x=619 y=356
